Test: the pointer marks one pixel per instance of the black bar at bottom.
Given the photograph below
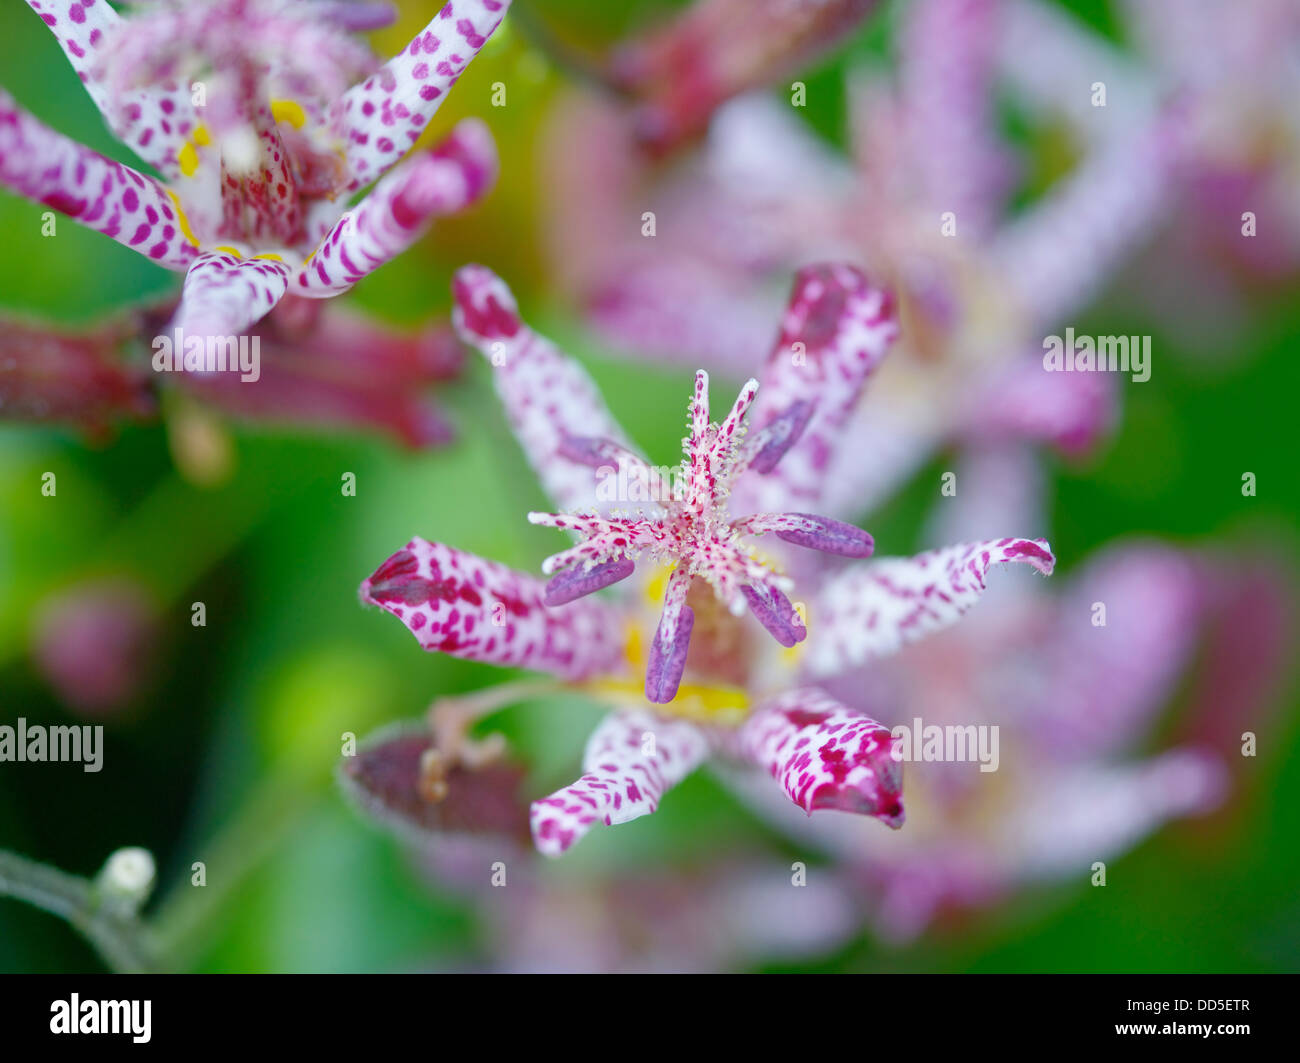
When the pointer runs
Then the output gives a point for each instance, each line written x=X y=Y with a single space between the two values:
x=335 y=1012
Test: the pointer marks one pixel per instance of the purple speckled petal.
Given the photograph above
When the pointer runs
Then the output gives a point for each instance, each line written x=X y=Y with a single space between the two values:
x=824 y=754
x=631 y=760
x=811 y=531
x=585 y=450
x=460 y=604
x=874 y=609
x=579 y=582
x=837 y=328
x=398 y=211
x=225 y=295
x=667 y=661
x=383 y=116
x=645 y=485
x=101 y=194
x=548 y=397
x=153 y=122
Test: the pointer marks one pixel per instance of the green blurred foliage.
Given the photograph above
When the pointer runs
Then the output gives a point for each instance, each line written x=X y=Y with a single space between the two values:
x=227 y=759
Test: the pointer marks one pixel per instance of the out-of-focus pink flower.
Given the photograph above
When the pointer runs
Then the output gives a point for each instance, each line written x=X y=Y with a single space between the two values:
x=706 y=919
x=263 y=117
x=717 y=49
x=921 y=205
x=95 y=644
x=318 y=367
x=672 y=652
x=1231 y=71
x=77 y=378
x=328 y=368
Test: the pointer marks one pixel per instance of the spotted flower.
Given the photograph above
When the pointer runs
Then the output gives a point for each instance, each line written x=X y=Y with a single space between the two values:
x=686 y=672
x=263 y=116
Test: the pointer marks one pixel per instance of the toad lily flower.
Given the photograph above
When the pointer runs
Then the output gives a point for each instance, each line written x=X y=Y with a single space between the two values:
x=244 y=107
x=708 y=683
x=695 y=535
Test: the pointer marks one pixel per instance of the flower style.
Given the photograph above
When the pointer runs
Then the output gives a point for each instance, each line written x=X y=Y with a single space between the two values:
x=707 y=685
x=249 y=110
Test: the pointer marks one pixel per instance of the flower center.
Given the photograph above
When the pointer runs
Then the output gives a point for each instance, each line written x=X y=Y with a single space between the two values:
x=693 y=532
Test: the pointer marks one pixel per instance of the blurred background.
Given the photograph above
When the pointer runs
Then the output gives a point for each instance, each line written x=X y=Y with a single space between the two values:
x=222 y=741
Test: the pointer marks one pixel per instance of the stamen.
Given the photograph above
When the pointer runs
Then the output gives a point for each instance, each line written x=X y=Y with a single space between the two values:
x=773 y=610
x=667 y=662
x=829 y=536
x=585 y=450
x=779 y=435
